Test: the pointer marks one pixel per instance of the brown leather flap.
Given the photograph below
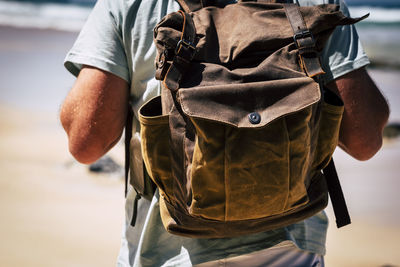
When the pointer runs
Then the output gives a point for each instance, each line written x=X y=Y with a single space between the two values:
x=249 y=105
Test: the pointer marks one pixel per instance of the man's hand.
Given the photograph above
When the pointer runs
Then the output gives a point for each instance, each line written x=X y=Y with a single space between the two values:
x=365 y=114
x=94 y=113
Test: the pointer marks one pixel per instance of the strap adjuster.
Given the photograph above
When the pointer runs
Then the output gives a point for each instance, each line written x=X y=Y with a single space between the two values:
x=302 y=35
x=186 y=44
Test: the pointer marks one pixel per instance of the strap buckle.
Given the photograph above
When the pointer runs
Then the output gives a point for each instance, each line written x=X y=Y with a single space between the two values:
x=302 y=35
x=186 y=44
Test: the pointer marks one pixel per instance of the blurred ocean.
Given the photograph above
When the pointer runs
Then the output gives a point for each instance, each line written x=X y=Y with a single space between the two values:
x=66 y=15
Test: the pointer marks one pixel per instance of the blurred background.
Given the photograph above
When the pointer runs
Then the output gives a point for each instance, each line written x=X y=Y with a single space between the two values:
x=56 y=212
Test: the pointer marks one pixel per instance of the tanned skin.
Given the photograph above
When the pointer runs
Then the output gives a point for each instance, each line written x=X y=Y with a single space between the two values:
x=365 y=115
x=94 y=113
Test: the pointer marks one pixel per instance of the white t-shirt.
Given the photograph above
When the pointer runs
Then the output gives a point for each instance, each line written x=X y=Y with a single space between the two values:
x=118 y=38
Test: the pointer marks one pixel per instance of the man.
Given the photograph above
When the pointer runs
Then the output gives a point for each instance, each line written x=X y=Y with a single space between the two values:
x=113 y=59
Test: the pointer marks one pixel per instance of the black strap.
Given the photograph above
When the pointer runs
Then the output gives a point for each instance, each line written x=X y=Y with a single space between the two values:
x=128 y=136
x=135 y=207
x=336 y=195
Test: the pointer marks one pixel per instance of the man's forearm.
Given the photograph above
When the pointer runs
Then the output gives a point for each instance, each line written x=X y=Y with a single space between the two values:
x=94 y=113
x=365 y=115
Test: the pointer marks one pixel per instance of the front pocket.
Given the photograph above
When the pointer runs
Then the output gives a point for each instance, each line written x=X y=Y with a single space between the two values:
x=154 y=133
x=244 y=173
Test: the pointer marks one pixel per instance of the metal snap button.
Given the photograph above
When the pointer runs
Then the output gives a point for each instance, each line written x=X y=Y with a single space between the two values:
x=254 y=118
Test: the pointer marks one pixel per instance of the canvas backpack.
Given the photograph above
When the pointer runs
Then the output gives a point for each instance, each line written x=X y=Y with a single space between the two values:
x=238 y=139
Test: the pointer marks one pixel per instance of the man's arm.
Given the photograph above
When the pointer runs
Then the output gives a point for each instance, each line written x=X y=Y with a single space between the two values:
x=365 y=114
x=94 y=113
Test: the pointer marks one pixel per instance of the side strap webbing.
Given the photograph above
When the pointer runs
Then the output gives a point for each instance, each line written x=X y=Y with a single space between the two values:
x=336 y=195
x=128 y=136
x=304 y=41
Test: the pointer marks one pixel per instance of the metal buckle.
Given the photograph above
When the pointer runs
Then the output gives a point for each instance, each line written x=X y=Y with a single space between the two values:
x=184 y=43
x=301 y=35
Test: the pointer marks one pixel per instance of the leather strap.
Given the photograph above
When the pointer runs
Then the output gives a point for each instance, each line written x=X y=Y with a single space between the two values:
x=193 y=5
x=128 y=136
x=269 y=1
x=304 y=40
x=188 y=7
x=336 y=195
x=184 y=53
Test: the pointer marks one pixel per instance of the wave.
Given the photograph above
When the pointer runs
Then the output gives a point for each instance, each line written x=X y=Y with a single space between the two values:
x=58 y=16
x=375 y=3
x=376 y=14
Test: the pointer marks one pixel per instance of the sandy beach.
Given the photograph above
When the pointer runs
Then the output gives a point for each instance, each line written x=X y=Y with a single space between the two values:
x=54 y=212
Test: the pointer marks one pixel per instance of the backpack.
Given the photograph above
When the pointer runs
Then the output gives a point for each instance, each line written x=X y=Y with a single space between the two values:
x=237 y=140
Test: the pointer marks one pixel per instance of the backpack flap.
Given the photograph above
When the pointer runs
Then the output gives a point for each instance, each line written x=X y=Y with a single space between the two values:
x=216 y=40
x=249 y=105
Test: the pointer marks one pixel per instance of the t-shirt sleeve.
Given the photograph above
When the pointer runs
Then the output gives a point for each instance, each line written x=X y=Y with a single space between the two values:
x=343 y=52
x=100 y=43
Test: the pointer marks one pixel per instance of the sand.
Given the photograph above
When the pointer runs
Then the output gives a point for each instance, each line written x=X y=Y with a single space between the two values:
x=53 y=212
x=371 y=191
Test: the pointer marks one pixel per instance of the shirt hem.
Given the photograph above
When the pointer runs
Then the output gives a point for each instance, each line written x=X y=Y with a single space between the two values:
x=74 y=62
x=346 y=68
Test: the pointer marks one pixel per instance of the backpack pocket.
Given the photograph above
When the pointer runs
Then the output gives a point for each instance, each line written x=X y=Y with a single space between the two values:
x=328 y=137
x=154 y=132
x=240 y=174
x=244 y=166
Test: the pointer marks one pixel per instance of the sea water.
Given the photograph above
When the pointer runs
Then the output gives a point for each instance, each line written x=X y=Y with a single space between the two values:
x=34 y=39
x=380 y=32
x=61 y=15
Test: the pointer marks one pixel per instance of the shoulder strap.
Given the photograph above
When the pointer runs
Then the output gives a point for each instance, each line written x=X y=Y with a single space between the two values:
x=304 y=41
x=193 y=5
x=269 y=1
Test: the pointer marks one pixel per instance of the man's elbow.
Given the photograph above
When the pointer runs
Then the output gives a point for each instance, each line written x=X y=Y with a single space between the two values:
x=84 y=145
x=363 y=148
x=84 y=153
x=363 y=141
x=88 y=146
x=363 y=152
x=373 y=141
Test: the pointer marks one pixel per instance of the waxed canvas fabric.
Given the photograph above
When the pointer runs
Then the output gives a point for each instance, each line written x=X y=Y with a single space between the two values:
x=220 y=174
